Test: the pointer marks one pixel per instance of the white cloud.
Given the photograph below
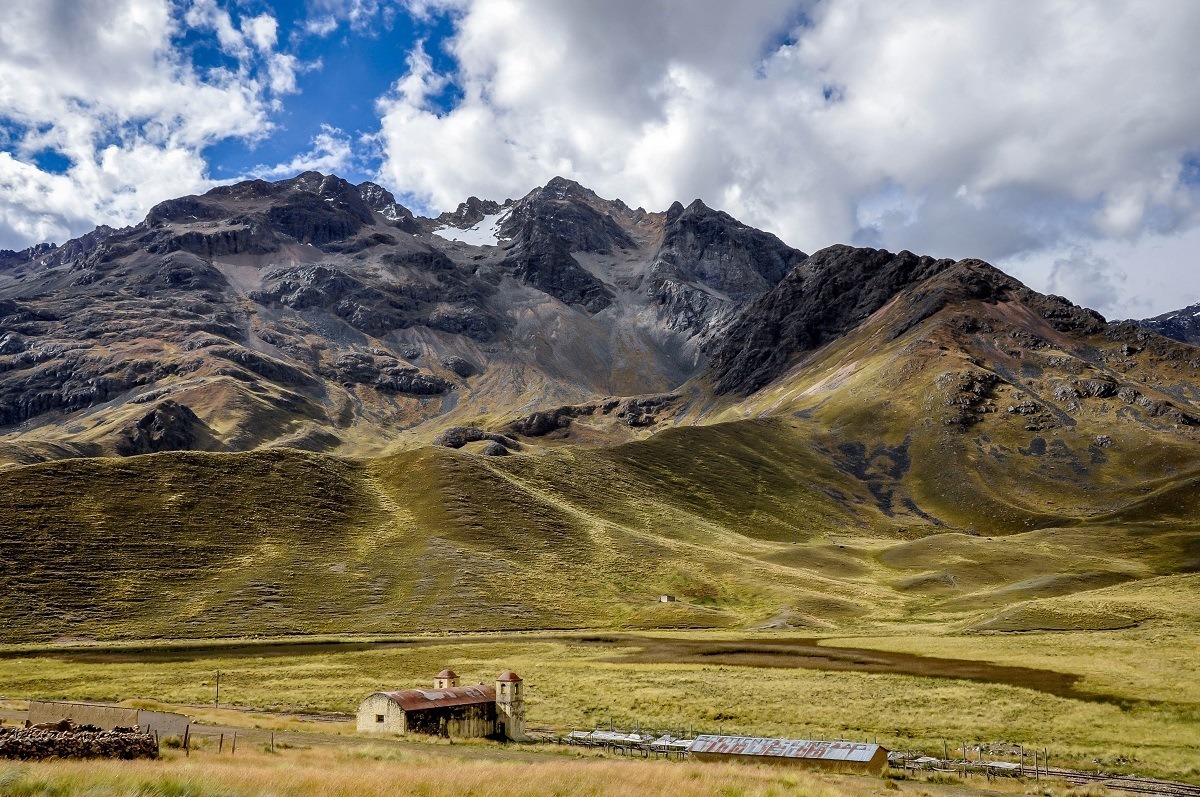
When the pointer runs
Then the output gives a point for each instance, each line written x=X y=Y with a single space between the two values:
x=1091 y=280
x=990 y=129
x=325 y=16
x=262 y=31
x=129 y=112
x=332 y=151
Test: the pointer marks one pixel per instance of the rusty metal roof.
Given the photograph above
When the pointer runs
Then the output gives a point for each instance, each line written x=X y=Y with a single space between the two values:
x=508 y=675
x=784 y=748
x=422 y=699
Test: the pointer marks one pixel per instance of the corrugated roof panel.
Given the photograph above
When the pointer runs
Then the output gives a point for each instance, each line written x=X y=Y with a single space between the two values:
x=783 y=748
x=418 y=699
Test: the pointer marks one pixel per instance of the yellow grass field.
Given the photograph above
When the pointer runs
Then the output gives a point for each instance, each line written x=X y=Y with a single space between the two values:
x=327 y=772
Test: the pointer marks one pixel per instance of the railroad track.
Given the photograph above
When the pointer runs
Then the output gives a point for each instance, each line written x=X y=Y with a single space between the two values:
x=1126 y=783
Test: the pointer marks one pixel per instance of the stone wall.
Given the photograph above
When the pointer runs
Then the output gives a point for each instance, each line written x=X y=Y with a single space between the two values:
x=164 y=723
x=32 y=744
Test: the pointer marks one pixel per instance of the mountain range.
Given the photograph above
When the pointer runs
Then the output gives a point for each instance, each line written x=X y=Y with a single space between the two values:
x=546 y=412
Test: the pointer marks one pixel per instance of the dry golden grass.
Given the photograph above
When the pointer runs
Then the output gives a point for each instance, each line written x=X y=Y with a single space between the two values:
x=385 y=773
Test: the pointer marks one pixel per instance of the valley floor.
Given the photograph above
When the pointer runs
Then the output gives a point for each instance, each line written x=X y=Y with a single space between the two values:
x=1122 y=701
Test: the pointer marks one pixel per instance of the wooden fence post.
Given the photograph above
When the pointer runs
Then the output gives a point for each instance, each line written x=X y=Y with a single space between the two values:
x=233 y=748
x=221 y=745
x=187 y=750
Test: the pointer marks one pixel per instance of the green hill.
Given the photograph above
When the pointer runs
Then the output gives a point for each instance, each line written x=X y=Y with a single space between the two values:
x=747 y=522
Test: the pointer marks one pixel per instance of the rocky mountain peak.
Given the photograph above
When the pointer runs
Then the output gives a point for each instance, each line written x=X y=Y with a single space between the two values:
x=471 y=212
x=575 y=215
x=1182 y=325
x=380 y=200
x=831 y=292
x=317 y=305
x=563 y=188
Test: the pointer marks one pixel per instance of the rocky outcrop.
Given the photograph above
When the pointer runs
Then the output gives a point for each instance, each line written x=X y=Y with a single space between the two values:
x=551 y=223
x=1181 y=325
x=459 y=436
x=827 y=295
x=380 y=200
x=460 y=365
x=387 y=374
x=967 y=394
x=470 y=213
x=634 y=411
x=170 y=426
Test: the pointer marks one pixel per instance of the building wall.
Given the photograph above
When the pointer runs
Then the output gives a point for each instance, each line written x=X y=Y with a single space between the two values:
x=470 y=721
x=510 y=709
x=166 y=723
x=463 y=722
x=374 y=706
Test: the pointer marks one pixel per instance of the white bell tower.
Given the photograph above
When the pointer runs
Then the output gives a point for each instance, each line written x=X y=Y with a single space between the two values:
x=510 y=706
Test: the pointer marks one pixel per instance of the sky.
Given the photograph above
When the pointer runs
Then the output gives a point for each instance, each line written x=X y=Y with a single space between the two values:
x=1058 y=140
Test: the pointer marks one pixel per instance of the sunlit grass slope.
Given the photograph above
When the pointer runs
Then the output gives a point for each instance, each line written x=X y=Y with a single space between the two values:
x=763 y=520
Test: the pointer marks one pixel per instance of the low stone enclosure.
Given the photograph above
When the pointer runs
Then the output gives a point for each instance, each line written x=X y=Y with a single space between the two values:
x=107 y=717
x=67 y=740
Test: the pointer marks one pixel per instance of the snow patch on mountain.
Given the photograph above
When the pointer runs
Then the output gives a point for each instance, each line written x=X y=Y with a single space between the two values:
x=486 y=232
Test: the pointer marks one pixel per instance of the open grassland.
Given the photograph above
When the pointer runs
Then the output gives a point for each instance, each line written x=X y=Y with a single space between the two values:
x=1112 y=717
x=375 y=772
x=1150 y=661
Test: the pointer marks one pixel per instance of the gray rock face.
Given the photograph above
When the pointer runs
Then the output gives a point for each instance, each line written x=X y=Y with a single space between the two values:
x=380 y=200
x=709 y=266
x=1181 y=325
x=379 y=308
x=470 y=213
x=315 y=303
x=828 y=294
x=550 y=224
x=711 y=248
x=170 y=426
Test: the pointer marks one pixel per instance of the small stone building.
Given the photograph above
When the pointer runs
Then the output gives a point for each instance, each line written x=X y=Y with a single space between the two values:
x=449 y=709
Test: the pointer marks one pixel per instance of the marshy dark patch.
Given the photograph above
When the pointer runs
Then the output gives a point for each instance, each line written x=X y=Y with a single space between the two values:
x=799 y=653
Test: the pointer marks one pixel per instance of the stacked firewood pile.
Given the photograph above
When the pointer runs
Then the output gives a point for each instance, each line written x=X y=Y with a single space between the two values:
x=67 y=740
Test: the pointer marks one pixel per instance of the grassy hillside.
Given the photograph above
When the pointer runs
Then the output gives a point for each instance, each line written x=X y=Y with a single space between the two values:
x=761 y=521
